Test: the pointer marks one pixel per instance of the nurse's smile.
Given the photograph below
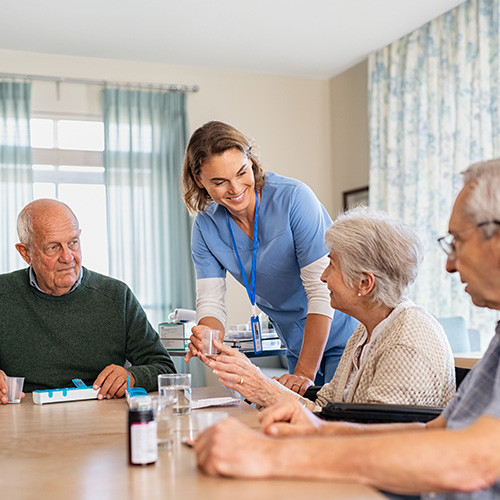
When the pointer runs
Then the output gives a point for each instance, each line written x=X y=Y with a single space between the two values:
x=229 y=180
x=237 y=198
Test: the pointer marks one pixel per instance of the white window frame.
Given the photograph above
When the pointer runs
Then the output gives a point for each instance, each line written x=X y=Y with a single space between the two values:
x=65 y=157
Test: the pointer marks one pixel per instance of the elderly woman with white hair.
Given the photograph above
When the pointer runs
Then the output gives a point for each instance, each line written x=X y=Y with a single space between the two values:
x=398 y=354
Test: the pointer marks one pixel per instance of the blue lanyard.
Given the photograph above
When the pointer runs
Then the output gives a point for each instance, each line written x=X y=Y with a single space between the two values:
x=250 y=291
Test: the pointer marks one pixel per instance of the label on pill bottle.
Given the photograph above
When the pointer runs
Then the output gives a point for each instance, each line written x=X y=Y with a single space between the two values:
x=143 y=445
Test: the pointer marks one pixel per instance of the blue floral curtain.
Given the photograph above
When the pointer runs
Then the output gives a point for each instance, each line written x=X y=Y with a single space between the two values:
x=16 y=176
x=148 y=226
x=433 y=106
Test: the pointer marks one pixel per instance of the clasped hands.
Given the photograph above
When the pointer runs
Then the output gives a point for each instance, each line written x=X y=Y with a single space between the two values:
x=230 y=448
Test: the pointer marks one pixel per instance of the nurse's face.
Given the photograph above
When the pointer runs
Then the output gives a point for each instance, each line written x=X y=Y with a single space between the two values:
x=229 y=180
x=342 y=297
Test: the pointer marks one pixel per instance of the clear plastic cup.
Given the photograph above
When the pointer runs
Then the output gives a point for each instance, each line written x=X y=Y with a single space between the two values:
x=14 y=389
x=163 y=412
x=208 y=337
x=204 y=419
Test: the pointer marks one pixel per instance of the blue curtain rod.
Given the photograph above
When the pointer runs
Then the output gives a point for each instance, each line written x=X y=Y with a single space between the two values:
x=104 y=83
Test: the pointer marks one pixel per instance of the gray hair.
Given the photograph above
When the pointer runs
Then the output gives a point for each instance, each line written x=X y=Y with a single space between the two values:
x=369 y=241
x=25 y=226
x=25 y=229
x=483 y=204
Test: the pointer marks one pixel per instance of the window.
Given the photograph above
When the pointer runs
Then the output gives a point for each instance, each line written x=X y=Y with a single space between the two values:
x=68 y=166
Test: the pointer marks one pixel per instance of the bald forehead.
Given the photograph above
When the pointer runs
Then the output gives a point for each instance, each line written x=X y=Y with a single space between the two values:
x=53 y=216
x=45 y=208
x=42 y=216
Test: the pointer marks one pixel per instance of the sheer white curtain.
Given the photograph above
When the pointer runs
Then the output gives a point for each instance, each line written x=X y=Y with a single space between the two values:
x=148 y=225
x=16 y=176
x=434 y=109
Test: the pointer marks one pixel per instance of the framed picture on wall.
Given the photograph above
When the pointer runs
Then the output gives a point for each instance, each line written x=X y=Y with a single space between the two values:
x=355 y=197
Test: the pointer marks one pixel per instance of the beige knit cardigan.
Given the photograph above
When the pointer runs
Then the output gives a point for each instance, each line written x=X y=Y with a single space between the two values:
x=409 y=363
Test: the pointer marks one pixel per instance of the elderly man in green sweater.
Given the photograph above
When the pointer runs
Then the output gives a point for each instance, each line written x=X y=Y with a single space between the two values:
x=60 y=321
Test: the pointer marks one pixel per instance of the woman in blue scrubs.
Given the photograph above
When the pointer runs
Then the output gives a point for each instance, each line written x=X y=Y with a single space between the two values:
x=271 y=228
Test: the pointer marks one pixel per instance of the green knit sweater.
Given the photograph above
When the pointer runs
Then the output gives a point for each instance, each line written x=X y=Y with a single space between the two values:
x=52 y=340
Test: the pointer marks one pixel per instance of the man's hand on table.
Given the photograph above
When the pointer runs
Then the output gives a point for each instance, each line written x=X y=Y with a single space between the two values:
x=230 y=448
x=289 y=419
x=113 y=382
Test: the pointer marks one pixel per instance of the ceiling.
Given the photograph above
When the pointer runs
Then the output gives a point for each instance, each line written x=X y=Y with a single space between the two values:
x=305 y=38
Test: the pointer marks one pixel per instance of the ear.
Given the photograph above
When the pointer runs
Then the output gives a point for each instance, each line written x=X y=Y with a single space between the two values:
x=367 y=283
x=198 y=182
x=23 y=250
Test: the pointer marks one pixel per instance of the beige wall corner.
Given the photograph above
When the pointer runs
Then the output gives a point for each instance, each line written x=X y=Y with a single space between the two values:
x=349 y=132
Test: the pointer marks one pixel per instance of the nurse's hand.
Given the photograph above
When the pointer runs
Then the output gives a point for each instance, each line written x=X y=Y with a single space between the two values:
x=196 y=343
x=296 y=383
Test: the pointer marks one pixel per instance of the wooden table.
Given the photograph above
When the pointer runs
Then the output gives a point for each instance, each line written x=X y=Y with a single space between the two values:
x=78 y=450
x=467 y=360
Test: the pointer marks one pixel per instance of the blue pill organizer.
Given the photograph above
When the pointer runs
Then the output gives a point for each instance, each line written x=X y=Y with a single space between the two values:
x=78 y=393
x=134 y=392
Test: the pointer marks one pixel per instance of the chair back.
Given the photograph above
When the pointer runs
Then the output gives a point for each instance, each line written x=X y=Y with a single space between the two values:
x=457 y=333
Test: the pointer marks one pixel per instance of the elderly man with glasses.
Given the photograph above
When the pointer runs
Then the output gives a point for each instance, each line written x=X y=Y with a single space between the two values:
x=455 y=456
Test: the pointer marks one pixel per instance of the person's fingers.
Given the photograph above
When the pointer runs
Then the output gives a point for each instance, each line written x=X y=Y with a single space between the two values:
x=120 y=390
x=204 y=449
x=205 y=359
x=283 y=429
x=229 y=351
x=224 y=360
x=305 y=385
x=101 y=377
x=193 y=351
x=105 y=387
x=231 y=378
x=119 y=380
x=296 y=383
x=110 y=380
x=278 y=413
x=289 y=382
x=196 y=342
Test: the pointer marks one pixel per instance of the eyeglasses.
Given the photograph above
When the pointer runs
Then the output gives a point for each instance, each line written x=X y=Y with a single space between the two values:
x=447 y=243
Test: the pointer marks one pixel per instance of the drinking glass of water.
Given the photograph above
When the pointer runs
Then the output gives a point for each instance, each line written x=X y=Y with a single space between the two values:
x=176 y=386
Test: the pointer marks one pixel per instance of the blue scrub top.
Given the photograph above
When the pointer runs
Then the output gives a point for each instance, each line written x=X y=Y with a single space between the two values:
x=292 y=226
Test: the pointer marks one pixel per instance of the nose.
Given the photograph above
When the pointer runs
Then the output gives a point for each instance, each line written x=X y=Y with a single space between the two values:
x=324 y=275
x=451 y=264
x=234 y=186
x=66 y=255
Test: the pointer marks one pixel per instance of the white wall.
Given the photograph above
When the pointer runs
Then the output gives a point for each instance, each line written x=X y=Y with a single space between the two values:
x=313 y=130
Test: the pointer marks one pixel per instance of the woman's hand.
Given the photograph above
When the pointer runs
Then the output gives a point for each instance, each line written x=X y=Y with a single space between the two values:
x=236 y=371
x=289 y=419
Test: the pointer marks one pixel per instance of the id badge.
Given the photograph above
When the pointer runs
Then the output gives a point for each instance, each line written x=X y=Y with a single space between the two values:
x=256 y=334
